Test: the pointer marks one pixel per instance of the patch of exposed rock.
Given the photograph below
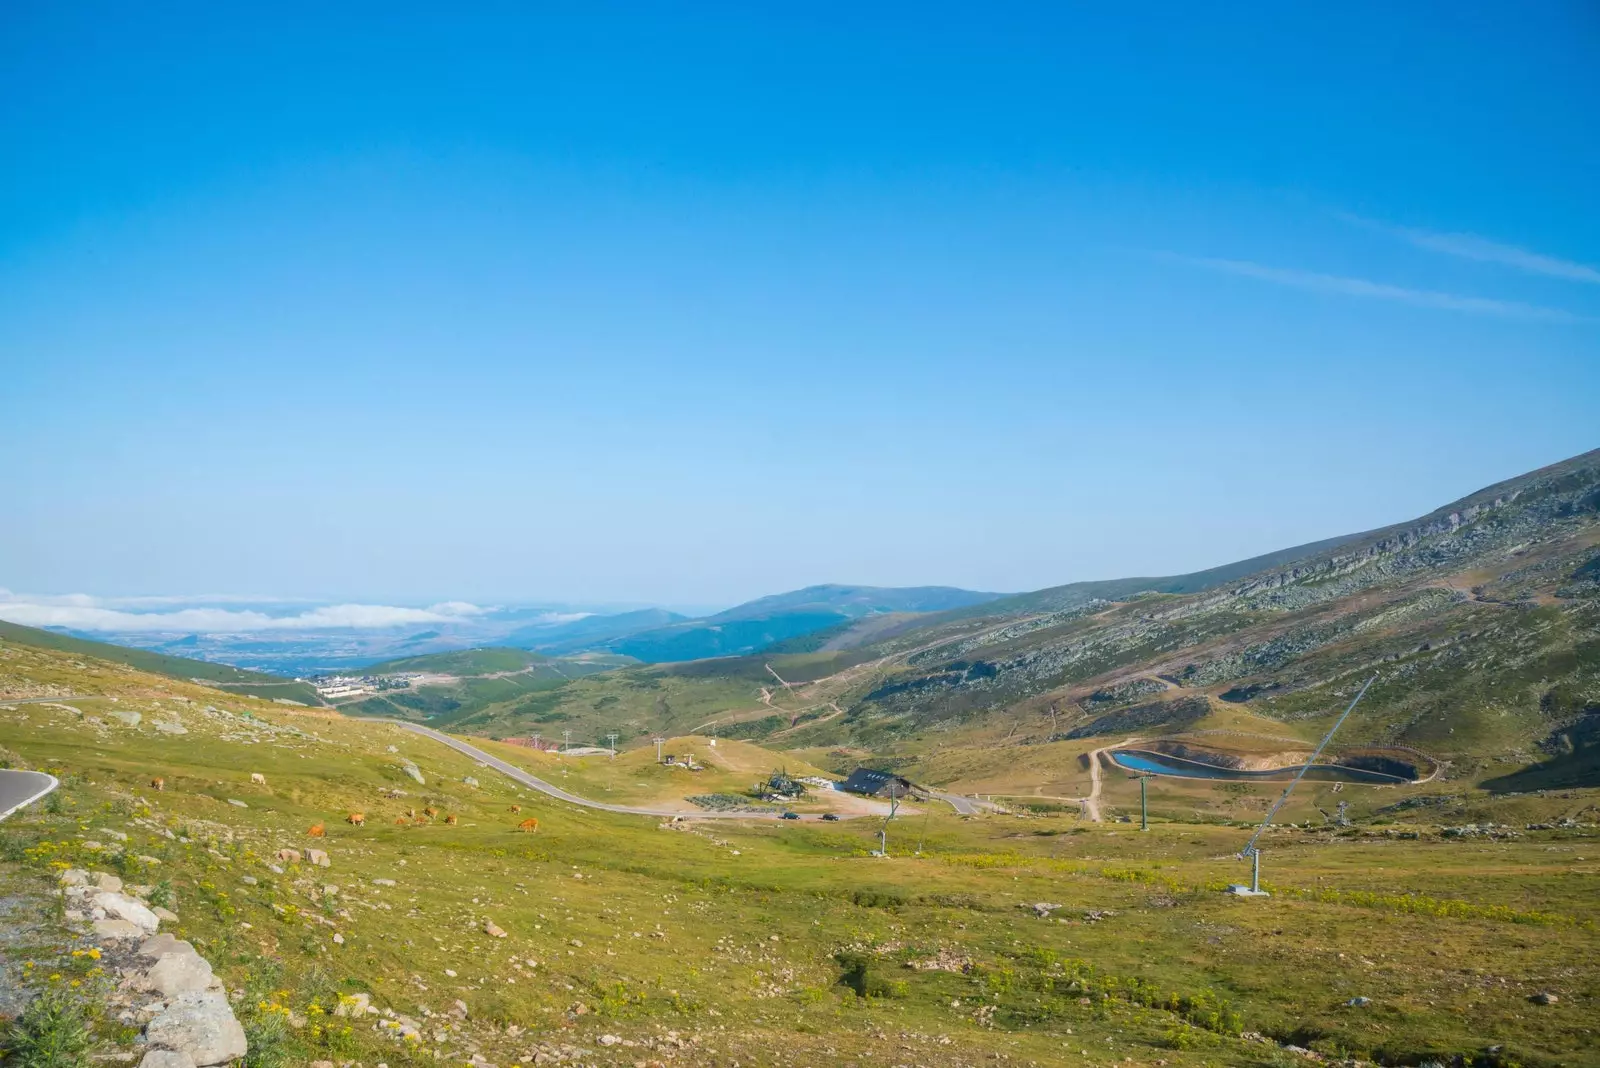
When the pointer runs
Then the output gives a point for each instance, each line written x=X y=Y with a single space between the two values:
x=162 y=982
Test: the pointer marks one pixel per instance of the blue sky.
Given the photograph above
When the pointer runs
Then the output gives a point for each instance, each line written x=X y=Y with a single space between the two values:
x=692 y=303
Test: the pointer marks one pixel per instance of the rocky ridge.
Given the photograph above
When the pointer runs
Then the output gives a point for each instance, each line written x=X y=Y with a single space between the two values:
x=162 y=984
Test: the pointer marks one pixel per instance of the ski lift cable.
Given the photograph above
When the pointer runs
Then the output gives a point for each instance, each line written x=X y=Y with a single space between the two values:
x=1250 y=846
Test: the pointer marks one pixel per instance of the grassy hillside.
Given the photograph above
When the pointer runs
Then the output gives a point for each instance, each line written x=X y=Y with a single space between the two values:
x=774 y=943
x=233 y=679
x=785 y=617
x=486 y=661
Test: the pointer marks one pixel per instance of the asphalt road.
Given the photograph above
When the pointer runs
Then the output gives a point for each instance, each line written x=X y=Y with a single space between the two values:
x=962 y=804
x=19 y=788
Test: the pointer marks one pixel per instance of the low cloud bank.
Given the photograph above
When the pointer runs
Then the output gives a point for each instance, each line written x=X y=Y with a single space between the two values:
x=84 y=612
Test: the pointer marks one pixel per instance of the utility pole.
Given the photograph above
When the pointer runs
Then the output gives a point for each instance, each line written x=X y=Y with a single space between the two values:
x=1144 y=804
x=659 y=743
x=883 y=832
x=567 y=739
x=536 y=739
x=612 y=738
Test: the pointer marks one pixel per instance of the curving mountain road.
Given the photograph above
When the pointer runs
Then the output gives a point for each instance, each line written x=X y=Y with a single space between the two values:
x=19 y=788
x=511 y=771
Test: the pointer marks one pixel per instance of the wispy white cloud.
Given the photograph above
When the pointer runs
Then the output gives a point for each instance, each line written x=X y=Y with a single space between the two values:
x=84 y=612
x=1481 y=249
x=1362 y=287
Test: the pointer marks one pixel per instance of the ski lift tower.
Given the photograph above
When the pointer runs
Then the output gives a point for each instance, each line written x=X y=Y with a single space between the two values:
x=1250 y=852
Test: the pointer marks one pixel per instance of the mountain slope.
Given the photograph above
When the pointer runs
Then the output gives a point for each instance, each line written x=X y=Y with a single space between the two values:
x=1482 y=618
x=236 y=680
x=781 y=617
x=1479 y=618
x=591 y=631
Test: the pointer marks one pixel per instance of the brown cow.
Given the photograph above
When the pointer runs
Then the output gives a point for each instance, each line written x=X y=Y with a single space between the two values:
x=420 y=821
x=529 y=825
x=400 y=821
x=158 y=783
x=450 y=820
x=431 y=812
x=516 y=808
x=356 y=819
x=317 y=830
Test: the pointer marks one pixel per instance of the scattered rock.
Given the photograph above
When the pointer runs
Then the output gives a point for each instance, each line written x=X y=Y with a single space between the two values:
x=383 y=882
x=470 y=781
x=237 y=803
x=1544 y=997
x=125 y=717
x=121 y=907
x=609 y=1040
x=202 y=1025
x=1359 y=1002
x=459 y=1009
x=164 y=915
x=493 y=931
x=354 y=1005
x=317 y=857
x=258 y=779
x=415 y=772
x=117 y=930
x=167 y=1058
x=104 y=880
x=289 y=856
x=249 y=880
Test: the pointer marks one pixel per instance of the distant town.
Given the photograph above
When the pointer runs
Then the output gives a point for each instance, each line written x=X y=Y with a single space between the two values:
x=335 y=686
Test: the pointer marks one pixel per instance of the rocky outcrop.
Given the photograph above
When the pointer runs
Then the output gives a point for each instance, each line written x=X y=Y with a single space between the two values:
x=163 y=983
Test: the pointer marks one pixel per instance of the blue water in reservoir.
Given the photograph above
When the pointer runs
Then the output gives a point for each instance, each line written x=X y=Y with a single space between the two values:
x=1159 y=764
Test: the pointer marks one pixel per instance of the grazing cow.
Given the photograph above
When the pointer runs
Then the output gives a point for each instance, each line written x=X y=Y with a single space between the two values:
x=356 y=819
x=431 y=812
x=400 y=821
x=411 y=813
x=258 y=779
x=529 y=825
x=317 y=830
x=450 y=820
x=420 y=821
x=158 y=783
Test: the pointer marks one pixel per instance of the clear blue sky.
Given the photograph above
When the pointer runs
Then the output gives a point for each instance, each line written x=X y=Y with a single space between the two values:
x=691 y=303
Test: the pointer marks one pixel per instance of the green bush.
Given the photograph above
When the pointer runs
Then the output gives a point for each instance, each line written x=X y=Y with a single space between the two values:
x=52 y=1032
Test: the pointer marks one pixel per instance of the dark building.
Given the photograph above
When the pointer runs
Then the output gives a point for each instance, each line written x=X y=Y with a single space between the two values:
x=876 y=783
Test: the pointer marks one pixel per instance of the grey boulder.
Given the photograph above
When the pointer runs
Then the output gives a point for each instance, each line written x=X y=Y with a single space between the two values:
x=202 y=1025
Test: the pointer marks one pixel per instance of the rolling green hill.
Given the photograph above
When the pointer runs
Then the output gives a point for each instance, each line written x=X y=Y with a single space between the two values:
x=784 y=617
x=485 y=661
x=236 y=680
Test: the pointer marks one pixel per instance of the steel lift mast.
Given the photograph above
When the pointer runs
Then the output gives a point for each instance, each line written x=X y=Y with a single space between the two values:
x=1250 y=852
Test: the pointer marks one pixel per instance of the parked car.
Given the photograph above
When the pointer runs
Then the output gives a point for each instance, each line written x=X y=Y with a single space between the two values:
x=791 y=815
x=831 y=817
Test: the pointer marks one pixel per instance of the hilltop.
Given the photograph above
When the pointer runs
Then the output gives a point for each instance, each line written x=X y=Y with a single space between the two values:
x=756 y=624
